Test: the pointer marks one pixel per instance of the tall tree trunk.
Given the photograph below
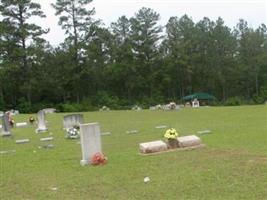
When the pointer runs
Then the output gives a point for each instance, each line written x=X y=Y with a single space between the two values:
x=257 y=84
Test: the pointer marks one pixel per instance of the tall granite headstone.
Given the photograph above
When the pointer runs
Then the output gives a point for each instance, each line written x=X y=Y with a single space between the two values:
x=5 y=126
x=90 y=141
x=41 y=122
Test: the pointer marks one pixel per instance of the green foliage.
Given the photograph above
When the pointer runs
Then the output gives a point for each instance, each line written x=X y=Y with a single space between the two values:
x=131 y=62
x=234 y=101
x=102 y=98
x=24 y=106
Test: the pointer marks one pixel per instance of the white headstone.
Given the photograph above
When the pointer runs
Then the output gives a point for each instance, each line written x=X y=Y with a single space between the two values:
x=5 y=125
x=72 y=120
x=152 y=147
x=195 y=103
x=90 y=141
x=189 y=141
x=41 y=122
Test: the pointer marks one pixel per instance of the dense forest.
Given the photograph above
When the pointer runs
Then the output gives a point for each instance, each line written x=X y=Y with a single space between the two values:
x=133 y=61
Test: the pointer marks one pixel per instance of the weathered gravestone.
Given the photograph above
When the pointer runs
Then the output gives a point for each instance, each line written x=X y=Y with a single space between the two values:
x=152 y=147
x=5 y=126
x=189 y=141
x=90 y=141
x=41 y=122
x=70 y=121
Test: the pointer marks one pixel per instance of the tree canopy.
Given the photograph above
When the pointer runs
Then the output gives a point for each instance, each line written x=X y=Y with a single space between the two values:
x=133 y=61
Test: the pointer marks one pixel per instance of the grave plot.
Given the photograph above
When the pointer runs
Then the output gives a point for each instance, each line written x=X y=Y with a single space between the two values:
x=173 y=143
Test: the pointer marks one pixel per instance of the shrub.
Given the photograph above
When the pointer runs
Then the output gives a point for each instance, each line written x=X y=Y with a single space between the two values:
x=234 y=101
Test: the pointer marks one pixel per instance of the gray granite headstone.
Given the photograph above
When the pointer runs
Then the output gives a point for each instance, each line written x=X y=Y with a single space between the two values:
x=41 y=122
x=72 y=120
x=5 y=126
x=90 y=141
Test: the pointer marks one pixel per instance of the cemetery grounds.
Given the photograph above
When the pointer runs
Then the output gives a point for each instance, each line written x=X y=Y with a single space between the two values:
x=233 y=165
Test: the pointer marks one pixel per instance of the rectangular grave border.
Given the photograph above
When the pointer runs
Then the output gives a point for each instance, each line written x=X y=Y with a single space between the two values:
x=173 y=150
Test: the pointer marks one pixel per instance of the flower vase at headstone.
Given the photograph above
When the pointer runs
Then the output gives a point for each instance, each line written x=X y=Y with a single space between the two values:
x=90 y=142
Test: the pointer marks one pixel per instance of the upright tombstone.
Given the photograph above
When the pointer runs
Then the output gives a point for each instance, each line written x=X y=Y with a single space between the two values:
x=49 y=110
x=90 y=141
x=195 y=103
x=70 y=121
x=41 y=122
x=5 y=125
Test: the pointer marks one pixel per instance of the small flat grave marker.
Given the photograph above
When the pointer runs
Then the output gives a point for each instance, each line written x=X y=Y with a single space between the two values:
x=21 y=124
x=46 y=139
x=22 y=141
x=204 y=132
x=132 y=131
x=106 y=133
x=48 y=146
x=161 y=126
x=7 y=151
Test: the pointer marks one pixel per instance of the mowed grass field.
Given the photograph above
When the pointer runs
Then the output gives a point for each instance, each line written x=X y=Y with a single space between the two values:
x=233 y=165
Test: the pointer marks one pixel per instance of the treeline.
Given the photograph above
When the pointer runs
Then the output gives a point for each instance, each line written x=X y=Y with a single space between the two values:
x=133 y=61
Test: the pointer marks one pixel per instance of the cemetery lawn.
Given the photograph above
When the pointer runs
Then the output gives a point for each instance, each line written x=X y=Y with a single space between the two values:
x=233 y=165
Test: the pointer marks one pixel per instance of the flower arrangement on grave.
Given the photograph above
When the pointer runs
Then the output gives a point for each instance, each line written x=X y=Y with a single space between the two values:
x=98 y=159
x=11 y=122
x=73 y=132
x=171 y=136
x=31 y=119
x=172 y=105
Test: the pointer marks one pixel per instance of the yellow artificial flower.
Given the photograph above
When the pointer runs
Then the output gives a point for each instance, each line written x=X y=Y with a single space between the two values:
x=171 y=134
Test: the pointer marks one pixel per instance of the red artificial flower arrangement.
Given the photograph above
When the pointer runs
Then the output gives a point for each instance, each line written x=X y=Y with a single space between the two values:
x=98 y=159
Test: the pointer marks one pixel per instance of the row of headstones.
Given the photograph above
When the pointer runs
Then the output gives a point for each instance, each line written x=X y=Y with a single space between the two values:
x=6 y=129
x=90 y=133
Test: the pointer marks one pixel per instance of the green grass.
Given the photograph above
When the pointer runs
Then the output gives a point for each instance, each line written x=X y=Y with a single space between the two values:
x=233 y=165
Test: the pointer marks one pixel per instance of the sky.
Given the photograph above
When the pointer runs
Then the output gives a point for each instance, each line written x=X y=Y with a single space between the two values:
x=253 y=11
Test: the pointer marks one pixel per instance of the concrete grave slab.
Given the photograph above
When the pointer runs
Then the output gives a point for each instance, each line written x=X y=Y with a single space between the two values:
x=189 y=141
x=152 y=147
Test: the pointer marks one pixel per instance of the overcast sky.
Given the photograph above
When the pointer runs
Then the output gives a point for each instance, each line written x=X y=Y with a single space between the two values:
x=253 y=11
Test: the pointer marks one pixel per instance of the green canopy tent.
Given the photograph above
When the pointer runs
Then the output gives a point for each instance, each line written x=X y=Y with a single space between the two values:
x=199 y=96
